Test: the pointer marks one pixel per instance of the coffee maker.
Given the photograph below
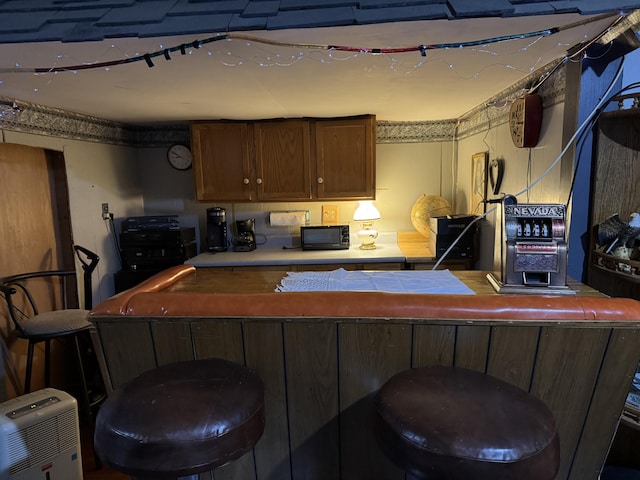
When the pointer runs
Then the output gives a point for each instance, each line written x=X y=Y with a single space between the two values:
x=216 y=229
x=246 y=240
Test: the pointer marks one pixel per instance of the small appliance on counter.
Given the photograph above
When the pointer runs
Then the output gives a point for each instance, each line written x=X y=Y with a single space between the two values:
x=533 y=249
x=246 y=239
x=216 y=229
x=446 y=229
x=324 y=237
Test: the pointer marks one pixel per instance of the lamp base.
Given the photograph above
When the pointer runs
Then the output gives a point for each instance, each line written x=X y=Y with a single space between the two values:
x=367 y=237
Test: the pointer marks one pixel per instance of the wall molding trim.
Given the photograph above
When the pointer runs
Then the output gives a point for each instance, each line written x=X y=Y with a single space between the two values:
x=20 y=116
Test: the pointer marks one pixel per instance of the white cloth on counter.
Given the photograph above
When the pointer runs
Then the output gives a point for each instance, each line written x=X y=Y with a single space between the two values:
x=402 y=281
x=287 y=218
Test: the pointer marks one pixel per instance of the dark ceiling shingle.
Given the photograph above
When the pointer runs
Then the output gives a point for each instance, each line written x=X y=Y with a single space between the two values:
x=486 y=8
x=320 y=17
x=140 y=13
x=89 y=20
x=403 y=14
x=181 y=25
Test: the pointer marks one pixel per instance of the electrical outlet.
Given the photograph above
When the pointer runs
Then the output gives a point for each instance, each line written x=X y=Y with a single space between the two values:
x=329 y=214
x=105 y=211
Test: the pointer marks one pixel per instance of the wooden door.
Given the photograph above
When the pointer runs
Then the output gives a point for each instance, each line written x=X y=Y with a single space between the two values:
x=35 y=235
x=221 y=161
x=283 y=153
x=345 y=158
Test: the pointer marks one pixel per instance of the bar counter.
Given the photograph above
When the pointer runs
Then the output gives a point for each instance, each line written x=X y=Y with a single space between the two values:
x=322 y=356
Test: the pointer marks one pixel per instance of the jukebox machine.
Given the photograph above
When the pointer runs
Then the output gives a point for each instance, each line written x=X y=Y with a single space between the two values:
x=533 y=249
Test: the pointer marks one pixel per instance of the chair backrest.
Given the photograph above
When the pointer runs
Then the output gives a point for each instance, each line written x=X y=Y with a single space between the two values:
x=24 y=292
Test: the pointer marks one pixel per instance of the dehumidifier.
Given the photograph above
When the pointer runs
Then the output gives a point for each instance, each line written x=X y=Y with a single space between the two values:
x=40 y=437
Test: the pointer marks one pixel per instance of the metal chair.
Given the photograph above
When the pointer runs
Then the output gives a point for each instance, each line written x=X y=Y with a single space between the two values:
x=36 y=327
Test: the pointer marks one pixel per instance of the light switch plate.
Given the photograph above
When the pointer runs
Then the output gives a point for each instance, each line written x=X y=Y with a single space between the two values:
x=329 y=214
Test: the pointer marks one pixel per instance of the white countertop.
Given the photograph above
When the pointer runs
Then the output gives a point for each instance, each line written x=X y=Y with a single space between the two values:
x=388 y=251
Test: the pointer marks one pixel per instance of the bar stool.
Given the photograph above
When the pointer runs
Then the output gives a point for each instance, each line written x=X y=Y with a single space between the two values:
x=181 y=419
x=444 y=423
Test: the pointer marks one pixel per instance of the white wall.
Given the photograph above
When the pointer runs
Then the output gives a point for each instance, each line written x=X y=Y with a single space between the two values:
x=96 y=173
x=518 y=163
x=403 y=171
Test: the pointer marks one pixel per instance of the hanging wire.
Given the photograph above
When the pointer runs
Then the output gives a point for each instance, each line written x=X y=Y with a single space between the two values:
x=197 y=44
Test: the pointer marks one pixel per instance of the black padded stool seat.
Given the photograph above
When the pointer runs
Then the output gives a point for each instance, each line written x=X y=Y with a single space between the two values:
x=181 y=419
x=450 y=423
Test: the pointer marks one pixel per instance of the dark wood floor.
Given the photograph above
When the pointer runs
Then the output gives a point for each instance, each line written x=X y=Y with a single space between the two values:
x=90 y=469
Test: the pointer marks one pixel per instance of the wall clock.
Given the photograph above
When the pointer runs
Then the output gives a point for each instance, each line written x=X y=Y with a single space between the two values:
x=525 y=120
x=179 y=157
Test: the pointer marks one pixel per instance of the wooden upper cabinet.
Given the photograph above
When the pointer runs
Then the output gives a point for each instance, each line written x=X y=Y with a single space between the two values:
x=282 y=160
x=221 y=161
x=345 y=158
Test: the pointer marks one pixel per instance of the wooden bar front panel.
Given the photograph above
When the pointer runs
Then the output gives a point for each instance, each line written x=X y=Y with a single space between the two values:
x=321 y=374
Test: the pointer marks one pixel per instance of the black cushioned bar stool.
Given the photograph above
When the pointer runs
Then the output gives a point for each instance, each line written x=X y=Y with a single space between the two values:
x=181 y=419
x=443 y=423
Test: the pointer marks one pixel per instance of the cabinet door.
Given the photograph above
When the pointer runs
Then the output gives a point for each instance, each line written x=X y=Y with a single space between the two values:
x=345 y=158
x=221 y=161
x=283 y=156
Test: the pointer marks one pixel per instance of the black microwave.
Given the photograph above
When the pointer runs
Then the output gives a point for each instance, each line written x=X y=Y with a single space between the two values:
x=325 y=237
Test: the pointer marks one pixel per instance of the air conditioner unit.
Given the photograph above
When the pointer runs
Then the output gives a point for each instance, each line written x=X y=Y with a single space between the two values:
x=40 y=437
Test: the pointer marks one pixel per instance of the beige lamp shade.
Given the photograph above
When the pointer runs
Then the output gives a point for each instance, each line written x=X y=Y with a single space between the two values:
x=366 y=211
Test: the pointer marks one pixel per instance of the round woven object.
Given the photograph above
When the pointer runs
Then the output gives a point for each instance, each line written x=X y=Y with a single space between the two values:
x=425 y=207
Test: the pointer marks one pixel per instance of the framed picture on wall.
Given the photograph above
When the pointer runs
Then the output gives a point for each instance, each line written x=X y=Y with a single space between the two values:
x=479 y=164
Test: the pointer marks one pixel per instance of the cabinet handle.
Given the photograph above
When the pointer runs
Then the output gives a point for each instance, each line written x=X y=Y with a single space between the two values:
x=320 y=180
x=259 y=181
x=245 y=181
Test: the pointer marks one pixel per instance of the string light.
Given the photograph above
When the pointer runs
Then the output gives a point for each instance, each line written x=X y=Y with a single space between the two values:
x=197 y=44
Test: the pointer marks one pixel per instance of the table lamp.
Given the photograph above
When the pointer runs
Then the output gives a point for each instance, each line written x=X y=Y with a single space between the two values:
x=367 y=213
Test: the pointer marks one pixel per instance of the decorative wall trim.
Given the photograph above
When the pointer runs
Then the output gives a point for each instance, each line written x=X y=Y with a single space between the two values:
x=20 y=116
x=495 y=111
x=416 y=132
x=27 y=117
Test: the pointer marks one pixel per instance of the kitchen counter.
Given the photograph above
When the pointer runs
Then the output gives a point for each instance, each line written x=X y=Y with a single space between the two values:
x=406 y=249
x=386 y=251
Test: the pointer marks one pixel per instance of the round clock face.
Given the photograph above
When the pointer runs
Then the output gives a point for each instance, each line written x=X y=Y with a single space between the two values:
x=179 y=157
x=516 y=122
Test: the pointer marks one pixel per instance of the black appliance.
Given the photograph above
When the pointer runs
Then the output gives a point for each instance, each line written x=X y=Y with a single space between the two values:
x=446 y=229
x=146 y=251
x=157 y=249
x=246 y=239
x=216 y=229
x=325 y=237
x=151 y=222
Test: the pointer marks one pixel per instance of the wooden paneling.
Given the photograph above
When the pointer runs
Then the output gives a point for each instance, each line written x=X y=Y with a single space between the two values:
x=224 y=340
x=172 y=342
x=128 y=349
x=512 y=354
x=472 y=345
x=320 y=376
x=311 y=363
x=433 y=345
x=609 y=397
x=265 y=354
x=567 y=366
x=369 y=355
